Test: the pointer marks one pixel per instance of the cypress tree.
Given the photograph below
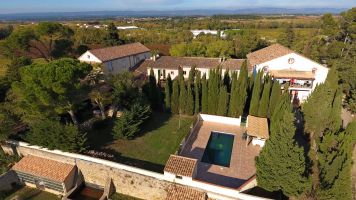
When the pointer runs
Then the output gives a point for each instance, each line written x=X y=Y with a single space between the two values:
x=180 y=75
x=189 y=109
x=204 y=96
x=214 y=86
x=227 y=80
x=168 y=91
x=264 y=102
x=182 y=97
x=153 y=95
x=256 y=93
x=223 y=102
x=242 y=87
x=233 y=106
x=275 y=97
x=175 y=98
x=191 y=75
x=281 y=165
x=197 y=91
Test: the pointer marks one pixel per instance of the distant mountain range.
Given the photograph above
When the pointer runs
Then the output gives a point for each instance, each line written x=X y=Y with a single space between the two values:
x=169 y=13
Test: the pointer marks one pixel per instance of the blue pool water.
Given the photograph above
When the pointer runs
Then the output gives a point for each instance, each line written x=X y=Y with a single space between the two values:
x=218 y=150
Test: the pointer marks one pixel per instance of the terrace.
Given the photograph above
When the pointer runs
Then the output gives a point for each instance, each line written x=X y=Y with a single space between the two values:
x=228 y=173
x=294 y=79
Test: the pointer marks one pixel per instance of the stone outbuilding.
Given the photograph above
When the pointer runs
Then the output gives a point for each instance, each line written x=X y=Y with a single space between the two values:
x=257 y=130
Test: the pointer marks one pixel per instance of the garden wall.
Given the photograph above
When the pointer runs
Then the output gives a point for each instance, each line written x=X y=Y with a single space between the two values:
x=221 y=119
x=126 y=179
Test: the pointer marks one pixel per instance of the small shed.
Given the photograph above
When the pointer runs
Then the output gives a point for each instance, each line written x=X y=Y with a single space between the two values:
x=179 y=167
x=45 y=174
x=257 y=130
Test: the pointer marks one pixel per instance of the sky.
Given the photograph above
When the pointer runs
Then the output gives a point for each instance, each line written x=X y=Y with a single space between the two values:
x=25 y=6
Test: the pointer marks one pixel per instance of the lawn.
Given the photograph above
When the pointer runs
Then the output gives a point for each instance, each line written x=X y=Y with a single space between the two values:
x=27 y=193
x=159 y=138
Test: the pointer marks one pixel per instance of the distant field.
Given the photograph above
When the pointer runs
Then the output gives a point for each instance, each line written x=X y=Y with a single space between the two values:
x=273 y=33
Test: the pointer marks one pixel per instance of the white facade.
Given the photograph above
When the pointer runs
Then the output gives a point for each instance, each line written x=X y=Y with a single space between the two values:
x=212 y=32
x=126 y=27
x=296 y=62
x=116 y=65
x=163 y=73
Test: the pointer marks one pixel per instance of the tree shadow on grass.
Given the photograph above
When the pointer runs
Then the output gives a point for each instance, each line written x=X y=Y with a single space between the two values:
x=157 y=120
x=115 y=156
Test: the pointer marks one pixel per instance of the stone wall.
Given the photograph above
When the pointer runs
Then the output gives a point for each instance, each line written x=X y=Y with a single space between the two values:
x=7 y=179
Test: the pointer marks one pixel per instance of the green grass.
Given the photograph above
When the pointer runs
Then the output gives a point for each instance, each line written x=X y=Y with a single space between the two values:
x=27 y=193
x=159 y=138
x=118 y=196
x=3 y=65
x=274 y=33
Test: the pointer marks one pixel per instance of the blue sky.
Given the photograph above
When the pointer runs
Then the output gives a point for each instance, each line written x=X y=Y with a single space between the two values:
x=20 y=6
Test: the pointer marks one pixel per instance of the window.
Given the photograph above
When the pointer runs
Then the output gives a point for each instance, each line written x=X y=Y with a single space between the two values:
x=88 y=56
x=110 y=67
x=291 y=60
x=184 y=72
x=172 y=72
x=265 y=69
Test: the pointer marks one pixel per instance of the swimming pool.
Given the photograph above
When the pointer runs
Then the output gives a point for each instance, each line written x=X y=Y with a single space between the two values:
x=219 y=148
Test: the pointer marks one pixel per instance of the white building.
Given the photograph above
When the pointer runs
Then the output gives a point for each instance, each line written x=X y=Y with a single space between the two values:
x=165 y=65
x=212 y=32
x=118 y=58
x=289 y=67
x=126 y=27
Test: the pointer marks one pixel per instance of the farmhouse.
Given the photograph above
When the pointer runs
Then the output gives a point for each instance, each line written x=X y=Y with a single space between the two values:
x=289 y=67
x=118 y=58
x=165 y=65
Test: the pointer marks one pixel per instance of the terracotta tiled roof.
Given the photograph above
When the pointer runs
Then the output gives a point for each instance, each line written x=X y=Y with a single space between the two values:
x=111 y=53
x=177 y=192
x=141 y=68
x=170 y=62
x=257 y=127
x=181 y=166
x=43 y=167
x=267 y=54
x=292 y=74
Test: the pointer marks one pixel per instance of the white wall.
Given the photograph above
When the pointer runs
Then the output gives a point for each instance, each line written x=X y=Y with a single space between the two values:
x=221 y=119
x=124 y=64
x=258 y=141
x=89 y=58
x=300 y=64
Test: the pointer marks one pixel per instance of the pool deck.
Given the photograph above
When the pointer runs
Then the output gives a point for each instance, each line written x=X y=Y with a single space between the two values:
x=242 y=164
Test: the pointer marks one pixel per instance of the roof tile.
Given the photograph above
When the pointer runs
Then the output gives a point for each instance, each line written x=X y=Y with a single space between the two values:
x=180 y=165
x=257 y=127
x=177 y=192
x=43 y=167
x=267 y=54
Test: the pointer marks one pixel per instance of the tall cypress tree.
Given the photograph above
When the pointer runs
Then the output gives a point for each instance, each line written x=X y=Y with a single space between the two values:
x=281 y=165
x=223 y=102
x=242 y=89
x=168 y=93
x=256 y=93
x=233 y=106
x=192 y=73
x=182 y=97
x=214 y=86
x=197 y=91
x=264 y=102
x=275 y=97
x=189 y=108
x=227 y=80
x=153 y=95
x=175 y=97
x=180 y=75
x=204 y=95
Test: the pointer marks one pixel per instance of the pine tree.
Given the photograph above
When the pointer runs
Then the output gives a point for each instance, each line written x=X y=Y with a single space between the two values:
x=264 y=102
x=275 y=97
x=223 y=102
x=189 y=109
x=281 y=165
x=204 y=96
x=168 y=91
x=175 y=97
x=256 y=93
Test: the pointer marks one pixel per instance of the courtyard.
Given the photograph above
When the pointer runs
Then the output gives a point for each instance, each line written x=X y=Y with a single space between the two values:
x=241 y=166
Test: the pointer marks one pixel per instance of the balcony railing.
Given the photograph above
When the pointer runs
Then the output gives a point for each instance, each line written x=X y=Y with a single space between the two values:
x=296 y=85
